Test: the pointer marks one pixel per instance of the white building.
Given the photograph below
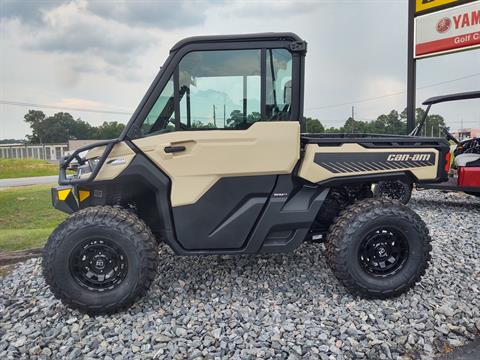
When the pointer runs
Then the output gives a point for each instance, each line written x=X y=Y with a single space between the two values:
x=37 y=151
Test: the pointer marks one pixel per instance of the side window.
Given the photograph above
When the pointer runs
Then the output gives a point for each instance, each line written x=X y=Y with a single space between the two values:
x=161 y=117
x=279 y=84
x=219 y=89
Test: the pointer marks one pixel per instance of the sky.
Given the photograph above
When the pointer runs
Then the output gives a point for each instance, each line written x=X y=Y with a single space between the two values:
x=103 y=55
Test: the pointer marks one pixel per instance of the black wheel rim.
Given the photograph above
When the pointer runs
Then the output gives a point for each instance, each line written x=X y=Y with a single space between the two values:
x=98 y=264
x=393 y=190
x=383 y=252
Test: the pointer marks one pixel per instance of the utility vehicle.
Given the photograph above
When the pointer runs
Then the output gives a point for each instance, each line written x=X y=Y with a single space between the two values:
x=213 y=162
x=463 y=167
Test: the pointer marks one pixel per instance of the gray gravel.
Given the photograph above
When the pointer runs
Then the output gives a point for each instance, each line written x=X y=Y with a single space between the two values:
x=283 y=306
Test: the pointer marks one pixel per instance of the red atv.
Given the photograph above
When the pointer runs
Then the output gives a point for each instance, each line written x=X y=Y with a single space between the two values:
x=464 y=165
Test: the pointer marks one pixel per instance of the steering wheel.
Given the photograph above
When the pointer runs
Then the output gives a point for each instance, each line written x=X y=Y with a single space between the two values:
x=449 y=136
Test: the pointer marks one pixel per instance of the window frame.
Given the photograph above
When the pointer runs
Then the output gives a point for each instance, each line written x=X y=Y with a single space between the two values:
x=171 y=69
x=177 y=97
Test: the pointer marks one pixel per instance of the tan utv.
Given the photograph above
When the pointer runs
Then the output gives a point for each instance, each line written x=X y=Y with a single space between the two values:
x=213 y=161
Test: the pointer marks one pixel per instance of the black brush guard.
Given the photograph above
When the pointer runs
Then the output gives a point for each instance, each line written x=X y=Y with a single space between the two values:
x=65 y=162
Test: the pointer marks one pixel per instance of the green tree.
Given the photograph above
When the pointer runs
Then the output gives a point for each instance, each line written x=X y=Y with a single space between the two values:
x=52 y=130
x=355 y=126
x=432 y=125
x=391 y=123
x=62 y=127
x=34 y=118
x=108 y=130
x=197 y=124
x=313 y=125
x=237 y=120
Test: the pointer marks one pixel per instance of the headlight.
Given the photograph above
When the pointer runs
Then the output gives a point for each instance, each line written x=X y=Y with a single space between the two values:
x=88 y=167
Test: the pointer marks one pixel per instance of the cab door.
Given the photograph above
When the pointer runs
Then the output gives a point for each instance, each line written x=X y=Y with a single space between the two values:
x=221 y=130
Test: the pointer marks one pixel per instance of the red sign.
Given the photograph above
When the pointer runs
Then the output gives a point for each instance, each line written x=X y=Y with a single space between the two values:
x=448 y=30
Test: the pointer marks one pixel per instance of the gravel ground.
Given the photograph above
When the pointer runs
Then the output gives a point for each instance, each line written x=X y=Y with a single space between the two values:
x=284 y=306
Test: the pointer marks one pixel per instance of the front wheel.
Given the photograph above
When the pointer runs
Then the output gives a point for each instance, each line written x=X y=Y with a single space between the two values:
x=100 y=260
x=396 y=190
x=378 y=248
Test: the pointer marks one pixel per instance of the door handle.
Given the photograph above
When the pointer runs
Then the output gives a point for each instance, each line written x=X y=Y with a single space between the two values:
x=173 y=149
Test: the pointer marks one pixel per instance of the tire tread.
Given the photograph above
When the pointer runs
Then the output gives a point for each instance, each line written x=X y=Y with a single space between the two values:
x=353 y=218
x=121 y=220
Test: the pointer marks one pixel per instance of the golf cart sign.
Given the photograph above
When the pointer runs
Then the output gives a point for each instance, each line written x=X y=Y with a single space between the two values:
x=437 y=27
x=444 y=30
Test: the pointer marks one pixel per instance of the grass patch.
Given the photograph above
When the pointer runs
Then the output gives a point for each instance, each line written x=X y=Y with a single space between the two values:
x=27 y=217
x=14 y=168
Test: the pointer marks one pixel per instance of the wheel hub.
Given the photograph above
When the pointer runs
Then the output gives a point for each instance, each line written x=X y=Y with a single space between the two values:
x=383 y=252
x=98 y=264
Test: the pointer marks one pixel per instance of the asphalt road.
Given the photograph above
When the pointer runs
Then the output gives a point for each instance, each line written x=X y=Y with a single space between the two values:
x=36 y=180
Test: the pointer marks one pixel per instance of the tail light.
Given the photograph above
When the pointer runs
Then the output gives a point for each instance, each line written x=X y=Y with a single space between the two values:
x=448 y=157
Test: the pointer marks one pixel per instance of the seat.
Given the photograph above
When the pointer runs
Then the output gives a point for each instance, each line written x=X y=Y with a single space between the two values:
x=464 y=159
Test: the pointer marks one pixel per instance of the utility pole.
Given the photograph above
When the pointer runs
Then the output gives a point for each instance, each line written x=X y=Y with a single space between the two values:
x=224 y=121
x=353 y=119
x=411 y=69
x=214 y=117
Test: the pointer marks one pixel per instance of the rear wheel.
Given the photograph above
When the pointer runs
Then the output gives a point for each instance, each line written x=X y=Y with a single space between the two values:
x=378 y=248
x=396 y=190
x=100 y=260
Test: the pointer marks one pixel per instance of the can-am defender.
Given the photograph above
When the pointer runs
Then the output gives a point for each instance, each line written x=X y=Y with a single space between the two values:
x=463 y=167
x=213 y=162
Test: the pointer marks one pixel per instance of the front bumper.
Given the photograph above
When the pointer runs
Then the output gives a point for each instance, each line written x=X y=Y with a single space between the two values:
x=67 y=198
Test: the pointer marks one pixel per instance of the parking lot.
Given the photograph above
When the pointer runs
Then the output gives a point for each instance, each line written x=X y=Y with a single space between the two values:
x=281 y=306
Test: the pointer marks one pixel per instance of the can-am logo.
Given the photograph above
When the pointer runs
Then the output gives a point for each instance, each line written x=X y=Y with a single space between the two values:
x=444 y=25
x=408 y=157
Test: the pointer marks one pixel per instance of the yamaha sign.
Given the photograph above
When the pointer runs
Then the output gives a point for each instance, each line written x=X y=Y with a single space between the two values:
x=448 y=30
x=437 y=27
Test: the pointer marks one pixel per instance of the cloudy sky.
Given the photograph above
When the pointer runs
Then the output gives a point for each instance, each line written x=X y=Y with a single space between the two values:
x=102 y=55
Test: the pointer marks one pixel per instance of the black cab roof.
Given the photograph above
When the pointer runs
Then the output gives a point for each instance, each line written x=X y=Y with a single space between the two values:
x=267 y=36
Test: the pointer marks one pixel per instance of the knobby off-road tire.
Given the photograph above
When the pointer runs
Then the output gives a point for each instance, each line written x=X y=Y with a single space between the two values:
x=100 y=241
x=395 y=190
x=387 y=224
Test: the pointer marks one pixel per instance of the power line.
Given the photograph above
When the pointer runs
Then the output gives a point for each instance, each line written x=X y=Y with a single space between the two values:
x=24 y=104
x=392 y=94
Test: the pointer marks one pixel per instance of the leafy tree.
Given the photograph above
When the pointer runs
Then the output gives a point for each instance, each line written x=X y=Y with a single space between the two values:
x=391 y=123
x=432 y=124
x=108 y=130
x=237 y=121
x=62 y=127
x=34 y=118
x=52 y=130
x=313 y=125
x=196 y=124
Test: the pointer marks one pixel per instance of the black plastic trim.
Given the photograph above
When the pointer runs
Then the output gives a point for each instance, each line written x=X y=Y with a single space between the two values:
x=453 y=97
